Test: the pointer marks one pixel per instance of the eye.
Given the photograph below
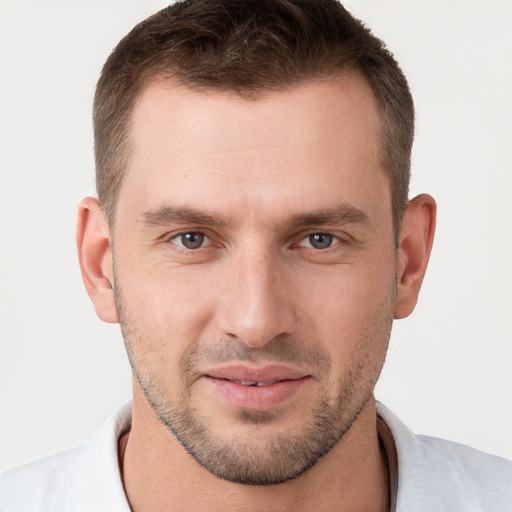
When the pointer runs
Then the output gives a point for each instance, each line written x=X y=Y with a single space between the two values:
x=319 y=241
x=190 y=240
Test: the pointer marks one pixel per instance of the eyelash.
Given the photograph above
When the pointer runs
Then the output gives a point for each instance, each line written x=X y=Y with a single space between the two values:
x=176 y=236
x=335 y=241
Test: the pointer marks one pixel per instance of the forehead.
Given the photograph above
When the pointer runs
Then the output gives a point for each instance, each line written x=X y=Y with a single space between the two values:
x=342 y=104
x=284 y=147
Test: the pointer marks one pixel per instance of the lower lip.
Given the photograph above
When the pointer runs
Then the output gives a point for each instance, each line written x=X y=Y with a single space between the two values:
x=256 y=398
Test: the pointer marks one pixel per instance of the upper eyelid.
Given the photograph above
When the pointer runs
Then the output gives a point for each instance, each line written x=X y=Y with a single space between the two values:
x=341 y=235
x=175 y=233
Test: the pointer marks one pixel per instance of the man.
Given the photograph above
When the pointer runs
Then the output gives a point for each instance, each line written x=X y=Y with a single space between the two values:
x=254 y=239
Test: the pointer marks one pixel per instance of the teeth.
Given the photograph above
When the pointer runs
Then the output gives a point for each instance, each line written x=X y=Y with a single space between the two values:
x=253 y=383
x=248 y=383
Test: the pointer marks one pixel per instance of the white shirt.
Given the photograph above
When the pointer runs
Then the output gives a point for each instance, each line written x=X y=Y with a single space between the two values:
x=427 y=474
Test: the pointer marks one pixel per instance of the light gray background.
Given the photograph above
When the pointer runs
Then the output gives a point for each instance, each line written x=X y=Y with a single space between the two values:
x=62 y=371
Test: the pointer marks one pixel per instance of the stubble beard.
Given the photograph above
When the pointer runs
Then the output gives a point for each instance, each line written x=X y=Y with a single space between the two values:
x=280 y=457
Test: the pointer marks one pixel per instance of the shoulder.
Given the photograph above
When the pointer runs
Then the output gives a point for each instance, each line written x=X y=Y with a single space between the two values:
x=83 y=479
x=44 y=483
x=484 y=479
x=436 y=474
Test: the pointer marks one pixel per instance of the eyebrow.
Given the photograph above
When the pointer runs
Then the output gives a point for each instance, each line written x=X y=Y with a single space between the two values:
x=179 y=215
x=341 y=214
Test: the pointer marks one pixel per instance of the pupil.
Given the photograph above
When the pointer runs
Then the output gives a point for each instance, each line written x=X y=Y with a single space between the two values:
x=320 y=240
x=192 y=240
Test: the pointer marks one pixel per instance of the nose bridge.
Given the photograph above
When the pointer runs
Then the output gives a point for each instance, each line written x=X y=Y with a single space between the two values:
x=257 y=305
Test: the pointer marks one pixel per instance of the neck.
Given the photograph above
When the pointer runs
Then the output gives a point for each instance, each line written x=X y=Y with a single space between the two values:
x=159 y=474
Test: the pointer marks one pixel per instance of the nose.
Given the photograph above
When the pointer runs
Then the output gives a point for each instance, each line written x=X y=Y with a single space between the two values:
x=256 y=303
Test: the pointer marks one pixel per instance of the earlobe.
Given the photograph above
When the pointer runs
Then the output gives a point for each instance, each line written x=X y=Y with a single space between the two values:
x=95 y=256
x=416 y=239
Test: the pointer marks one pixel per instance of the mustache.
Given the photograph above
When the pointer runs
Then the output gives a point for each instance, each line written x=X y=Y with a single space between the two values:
x=282 y=349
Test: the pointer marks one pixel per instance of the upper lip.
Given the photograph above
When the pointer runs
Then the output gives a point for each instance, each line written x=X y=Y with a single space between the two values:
x=269 y=373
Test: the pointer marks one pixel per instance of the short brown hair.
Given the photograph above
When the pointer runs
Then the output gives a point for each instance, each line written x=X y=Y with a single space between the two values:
x=248 y=47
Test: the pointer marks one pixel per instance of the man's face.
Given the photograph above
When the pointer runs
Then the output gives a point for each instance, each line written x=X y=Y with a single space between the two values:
x=255 y=270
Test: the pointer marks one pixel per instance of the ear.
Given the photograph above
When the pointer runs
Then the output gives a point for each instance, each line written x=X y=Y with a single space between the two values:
x=95 y=256
x=416 y=239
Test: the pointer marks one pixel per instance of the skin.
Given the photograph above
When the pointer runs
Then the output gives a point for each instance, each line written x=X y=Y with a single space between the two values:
x=262 y=178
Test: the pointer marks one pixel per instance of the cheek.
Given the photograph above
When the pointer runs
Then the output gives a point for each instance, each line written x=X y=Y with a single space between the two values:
x=163 y=314
x=352 y=315
x=352 y=294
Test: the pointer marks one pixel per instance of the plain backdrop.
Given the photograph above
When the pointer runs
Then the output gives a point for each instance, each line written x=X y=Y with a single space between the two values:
x=62 y=371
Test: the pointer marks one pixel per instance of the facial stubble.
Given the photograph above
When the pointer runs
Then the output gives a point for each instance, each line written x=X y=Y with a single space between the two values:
x=248 y=459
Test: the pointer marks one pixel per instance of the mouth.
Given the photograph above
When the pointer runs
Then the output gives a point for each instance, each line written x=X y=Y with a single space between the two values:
x=241 y=387
x=250 y=376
